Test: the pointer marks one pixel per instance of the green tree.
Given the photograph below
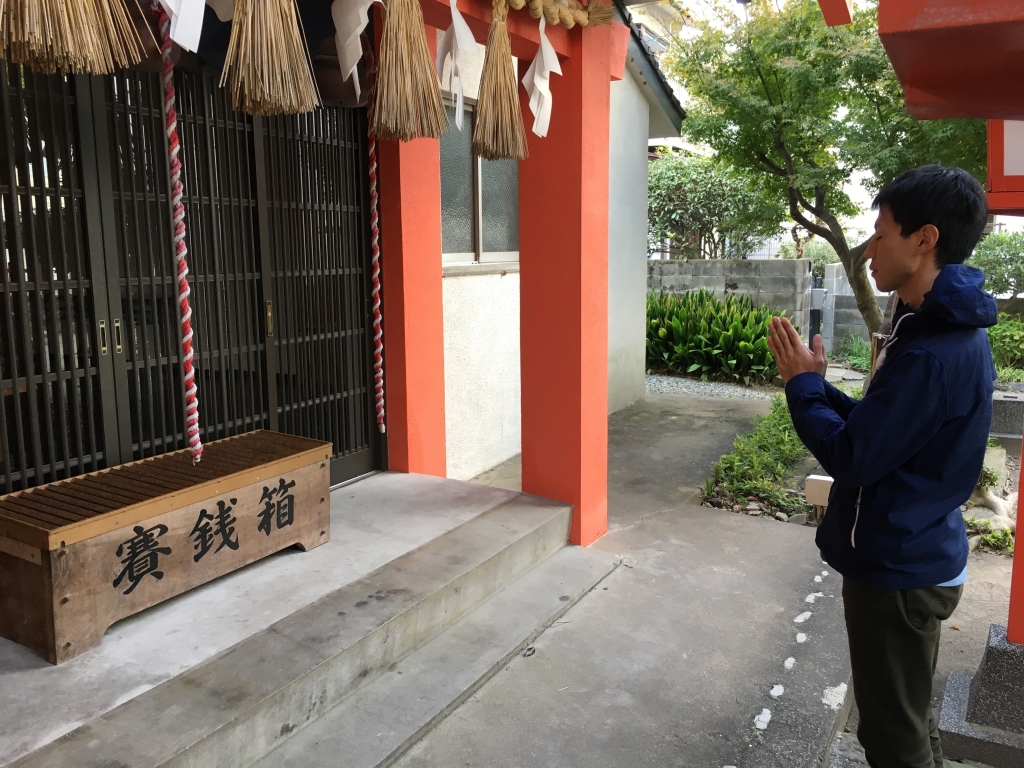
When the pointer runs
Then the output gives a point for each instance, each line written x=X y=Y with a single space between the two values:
x=778 y=94
x=706 y=210
x=880 y=135
x=1001 y=257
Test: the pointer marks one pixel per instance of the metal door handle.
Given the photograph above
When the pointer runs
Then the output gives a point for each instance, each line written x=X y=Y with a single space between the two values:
x=270 y=318
x=117 y=336
x=103 y=336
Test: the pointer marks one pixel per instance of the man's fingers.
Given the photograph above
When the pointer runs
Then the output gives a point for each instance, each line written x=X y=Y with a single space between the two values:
x=794 y=337
x=819 y=349
x=780 y=334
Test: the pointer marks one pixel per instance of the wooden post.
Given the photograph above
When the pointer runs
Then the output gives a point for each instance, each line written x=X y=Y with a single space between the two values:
x=410 y=221
x=1015 y=625
x=563 y=258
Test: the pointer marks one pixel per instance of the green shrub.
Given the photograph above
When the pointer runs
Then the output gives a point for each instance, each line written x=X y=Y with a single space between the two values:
x=759 y=462
x=819 y=251
x=701 y=335
x=856 y=351
x=1007 y=340
x=1011 y=375
x=1000 y=541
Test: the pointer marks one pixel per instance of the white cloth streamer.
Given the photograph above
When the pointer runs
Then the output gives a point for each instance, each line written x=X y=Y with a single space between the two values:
x=537 y=82
x=187 y=19
x=350 y=19
x=458 y=37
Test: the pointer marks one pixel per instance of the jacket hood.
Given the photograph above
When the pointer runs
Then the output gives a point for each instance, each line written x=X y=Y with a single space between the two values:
x=958 y=296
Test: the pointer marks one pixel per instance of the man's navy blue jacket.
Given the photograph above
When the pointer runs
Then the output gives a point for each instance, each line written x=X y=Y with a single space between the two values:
x=909 y=454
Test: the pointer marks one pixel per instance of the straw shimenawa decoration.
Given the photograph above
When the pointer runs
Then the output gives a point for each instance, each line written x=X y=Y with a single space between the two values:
x=499 y=133
x=408 y=104
x=80 y=36
x=570 y=14
x=267 y=64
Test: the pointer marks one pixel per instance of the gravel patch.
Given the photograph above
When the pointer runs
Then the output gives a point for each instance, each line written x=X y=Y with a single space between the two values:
x=679 y=385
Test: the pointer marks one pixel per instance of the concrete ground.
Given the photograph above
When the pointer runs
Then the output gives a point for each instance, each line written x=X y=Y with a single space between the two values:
x=670 y=661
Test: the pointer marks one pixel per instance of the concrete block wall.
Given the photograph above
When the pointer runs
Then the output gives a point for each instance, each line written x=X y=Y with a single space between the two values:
x=781 y=283
x=842 y=318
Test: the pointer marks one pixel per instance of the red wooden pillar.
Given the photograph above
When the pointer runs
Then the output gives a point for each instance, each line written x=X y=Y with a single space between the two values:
x=563 y=261
x=410 y=221
x=1015 y=626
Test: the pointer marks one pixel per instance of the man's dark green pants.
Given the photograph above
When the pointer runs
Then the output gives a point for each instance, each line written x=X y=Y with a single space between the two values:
x=894 y=646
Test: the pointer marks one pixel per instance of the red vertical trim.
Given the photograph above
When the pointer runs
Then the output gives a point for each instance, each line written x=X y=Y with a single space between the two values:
x=1015 y=625
x=563 y=256
x=410 y=221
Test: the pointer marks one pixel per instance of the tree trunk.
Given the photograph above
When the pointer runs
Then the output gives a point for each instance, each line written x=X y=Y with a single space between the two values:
x=856 y=272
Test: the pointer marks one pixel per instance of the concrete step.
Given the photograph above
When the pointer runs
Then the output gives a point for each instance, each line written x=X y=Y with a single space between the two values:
x=241 y=704
x=376 y=725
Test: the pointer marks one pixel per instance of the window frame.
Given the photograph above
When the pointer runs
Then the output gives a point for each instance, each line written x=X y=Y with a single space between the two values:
x=478 y=255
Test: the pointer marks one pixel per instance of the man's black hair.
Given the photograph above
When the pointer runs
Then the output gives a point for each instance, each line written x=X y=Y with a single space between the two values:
x=951 y=199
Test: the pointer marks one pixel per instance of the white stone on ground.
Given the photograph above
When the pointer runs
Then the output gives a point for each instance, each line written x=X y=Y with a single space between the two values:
x=788 y=663
x=776 y=691
x=801 y=637
x=802 y=617
x=834 y=697
x=681 y=385
x=761 y=721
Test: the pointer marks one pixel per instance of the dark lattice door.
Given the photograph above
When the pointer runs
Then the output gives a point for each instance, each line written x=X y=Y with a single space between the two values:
x=54 y=329
x=316 y=241
x=224 y=264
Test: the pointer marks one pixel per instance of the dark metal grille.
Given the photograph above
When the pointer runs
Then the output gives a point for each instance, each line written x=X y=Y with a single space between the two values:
x=49 y=424
x=224 y=269
x=318 y=237
x=278 y=248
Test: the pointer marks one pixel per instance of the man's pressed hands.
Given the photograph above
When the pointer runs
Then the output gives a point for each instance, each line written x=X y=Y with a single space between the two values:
x=792 y=357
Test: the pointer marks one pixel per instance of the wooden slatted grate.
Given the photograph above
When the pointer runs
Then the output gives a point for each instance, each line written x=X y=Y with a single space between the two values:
x=53 y=515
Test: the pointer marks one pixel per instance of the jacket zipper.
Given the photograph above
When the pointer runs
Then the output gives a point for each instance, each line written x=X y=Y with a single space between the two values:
x=878 y=365
x=856 y=518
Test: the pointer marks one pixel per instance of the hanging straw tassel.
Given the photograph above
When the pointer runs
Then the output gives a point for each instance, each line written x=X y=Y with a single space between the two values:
x=408 y=104
x=81 y=36
x=267 y=64
x=499 y=133
x=121 y=46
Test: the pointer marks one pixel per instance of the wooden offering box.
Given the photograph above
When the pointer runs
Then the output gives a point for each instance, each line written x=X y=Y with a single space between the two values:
x=79 y=554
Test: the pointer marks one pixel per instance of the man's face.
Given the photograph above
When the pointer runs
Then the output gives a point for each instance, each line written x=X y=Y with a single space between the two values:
x=892 y=258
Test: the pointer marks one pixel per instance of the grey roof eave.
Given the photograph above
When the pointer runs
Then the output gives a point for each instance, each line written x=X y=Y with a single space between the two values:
x=648 y=67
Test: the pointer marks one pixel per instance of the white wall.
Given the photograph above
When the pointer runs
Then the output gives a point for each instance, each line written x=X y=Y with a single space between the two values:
x=481 y=371
x=627 y=243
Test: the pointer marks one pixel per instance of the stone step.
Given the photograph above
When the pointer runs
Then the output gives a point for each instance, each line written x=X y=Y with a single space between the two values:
x=376 y=725
x=241 y=704
x=1007 y=414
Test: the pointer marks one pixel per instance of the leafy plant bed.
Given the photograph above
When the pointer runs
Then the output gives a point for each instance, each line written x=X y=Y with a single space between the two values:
x=755 y=473
x=701 y=335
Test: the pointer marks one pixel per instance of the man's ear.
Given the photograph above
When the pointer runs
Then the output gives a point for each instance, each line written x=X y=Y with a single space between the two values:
x=928 y=237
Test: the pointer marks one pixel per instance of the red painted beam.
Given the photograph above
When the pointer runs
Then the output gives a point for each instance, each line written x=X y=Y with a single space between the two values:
x=837 y=12
x=956 y=58
x=522 y=28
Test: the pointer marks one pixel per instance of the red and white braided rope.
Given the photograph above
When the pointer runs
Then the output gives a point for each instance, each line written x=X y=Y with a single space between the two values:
x=180 y=248
x=378 y=336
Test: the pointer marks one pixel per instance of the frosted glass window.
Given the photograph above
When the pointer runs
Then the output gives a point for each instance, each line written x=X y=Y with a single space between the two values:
x=499 y=186
x=479 y=200
x=458 y=235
